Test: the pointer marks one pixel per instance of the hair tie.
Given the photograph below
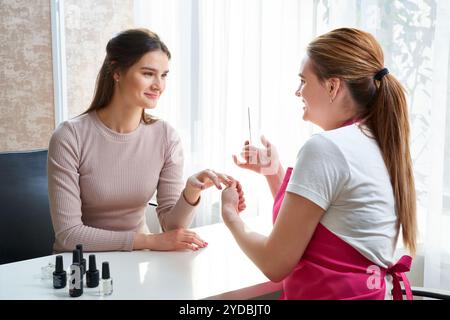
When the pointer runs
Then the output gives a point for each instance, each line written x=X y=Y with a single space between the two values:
x=380 y=74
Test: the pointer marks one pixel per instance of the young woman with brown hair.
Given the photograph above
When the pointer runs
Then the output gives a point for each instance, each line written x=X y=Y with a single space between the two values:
x=106 y=164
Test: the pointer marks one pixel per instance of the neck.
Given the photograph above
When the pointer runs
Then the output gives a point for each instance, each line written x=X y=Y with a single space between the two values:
x=119 y=117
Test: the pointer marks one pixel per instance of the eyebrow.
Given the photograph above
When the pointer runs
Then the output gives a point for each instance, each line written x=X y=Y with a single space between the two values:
x=153 y=69
x=301 y=75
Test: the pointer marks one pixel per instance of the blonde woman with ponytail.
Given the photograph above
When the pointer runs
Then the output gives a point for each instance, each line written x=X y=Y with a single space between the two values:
x=338 y=213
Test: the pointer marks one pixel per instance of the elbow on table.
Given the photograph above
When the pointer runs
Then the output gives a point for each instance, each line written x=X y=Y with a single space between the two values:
x=63 y=244
x=167 y=225
x=276 y=271
x=66 y=241
x=172 y=226
x=275 y=276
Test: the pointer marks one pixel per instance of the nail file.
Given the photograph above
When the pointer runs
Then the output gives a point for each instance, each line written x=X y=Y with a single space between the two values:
x=249 y=126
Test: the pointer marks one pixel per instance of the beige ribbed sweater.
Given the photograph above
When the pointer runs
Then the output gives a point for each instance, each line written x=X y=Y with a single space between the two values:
x=100 y=182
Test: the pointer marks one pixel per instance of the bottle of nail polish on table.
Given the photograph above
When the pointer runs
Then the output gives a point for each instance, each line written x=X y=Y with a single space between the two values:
x=59 y=275
x=76 y=276
x=106 y=283
x=82 y=260
x=92 y=275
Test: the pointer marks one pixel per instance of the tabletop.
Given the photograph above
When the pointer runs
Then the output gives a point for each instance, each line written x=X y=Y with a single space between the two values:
x=219 y=271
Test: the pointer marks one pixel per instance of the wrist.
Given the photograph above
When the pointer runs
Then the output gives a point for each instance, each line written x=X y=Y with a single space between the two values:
x=229 y=214
x=229 y=208
x=191 y=195
x=141 y=241
x=277 y=174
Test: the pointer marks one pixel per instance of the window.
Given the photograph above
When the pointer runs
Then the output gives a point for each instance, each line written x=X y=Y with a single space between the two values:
x=231 y=55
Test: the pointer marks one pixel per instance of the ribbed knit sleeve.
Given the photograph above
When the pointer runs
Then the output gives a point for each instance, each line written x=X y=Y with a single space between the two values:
x=173 y=210
x=65 y=200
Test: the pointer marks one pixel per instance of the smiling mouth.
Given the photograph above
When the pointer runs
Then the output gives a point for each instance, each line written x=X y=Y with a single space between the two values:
x=151 y=96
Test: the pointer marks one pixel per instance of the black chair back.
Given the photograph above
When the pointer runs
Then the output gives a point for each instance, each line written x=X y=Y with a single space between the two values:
x=26 y=229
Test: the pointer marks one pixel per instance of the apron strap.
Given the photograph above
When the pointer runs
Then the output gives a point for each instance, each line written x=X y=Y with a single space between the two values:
x=398 y=274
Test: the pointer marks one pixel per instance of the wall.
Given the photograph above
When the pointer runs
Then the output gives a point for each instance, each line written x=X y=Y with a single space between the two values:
x=26 y=78
x=26 y=71
x=88 y=29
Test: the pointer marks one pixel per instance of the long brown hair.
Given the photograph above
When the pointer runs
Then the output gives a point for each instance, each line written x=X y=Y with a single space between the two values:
x=122 y=51
x=355 y=57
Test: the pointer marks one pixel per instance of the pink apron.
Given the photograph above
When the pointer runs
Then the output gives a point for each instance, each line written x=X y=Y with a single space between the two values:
x=331 y=269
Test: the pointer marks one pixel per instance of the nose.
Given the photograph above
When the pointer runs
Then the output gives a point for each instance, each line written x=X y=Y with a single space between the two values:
x=298 y=93
x=156 y=85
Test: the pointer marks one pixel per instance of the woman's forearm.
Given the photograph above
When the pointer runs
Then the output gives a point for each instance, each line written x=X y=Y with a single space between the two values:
x=180 y=215
x=253 y=244
x=275 y=180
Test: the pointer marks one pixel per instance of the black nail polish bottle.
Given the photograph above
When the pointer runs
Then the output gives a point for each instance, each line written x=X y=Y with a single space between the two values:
x=82 y=260
x=92 y=275
x=59 y=275
x=76 y=276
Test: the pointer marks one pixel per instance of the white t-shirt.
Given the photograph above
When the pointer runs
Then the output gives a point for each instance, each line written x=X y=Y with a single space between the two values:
x=343 y=172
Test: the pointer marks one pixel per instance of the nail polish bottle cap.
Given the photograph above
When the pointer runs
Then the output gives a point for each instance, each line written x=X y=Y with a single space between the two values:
x=105 y=270
x=59 y=264
x=76 y=256
x=80 y=247
x=92 y=264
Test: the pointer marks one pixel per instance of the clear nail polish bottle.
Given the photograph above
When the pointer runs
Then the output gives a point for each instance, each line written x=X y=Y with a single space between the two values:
x=47 y=271
x=106 y=283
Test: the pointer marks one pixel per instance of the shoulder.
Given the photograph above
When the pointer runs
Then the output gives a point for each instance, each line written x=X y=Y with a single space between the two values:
x=73 y=125
x=168 y=132
x=322 y=153
x=339 y=141
x=68 y=132
x=321 y=145
x=163 y=133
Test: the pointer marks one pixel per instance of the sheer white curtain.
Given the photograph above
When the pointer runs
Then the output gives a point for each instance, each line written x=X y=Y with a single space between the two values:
x=229 y=55
x=437 y=207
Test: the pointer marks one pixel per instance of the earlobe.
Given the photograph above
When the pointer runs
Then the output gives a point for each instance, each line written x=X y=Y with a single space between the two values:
x=116 y=77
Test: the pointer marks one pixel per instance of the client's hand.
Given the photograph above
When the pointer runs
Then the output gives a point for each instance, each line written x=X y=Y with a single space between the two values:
x=179 y=239
x=204 y=180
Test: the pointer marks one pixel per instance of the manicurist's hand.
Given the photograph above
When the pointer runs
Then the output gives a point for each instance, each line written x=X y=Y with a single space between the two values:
x=261 y=160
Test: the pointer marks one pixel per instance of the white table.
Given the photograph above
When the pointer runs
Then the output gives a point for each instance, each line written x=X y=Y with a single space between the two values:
x=219 y=271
